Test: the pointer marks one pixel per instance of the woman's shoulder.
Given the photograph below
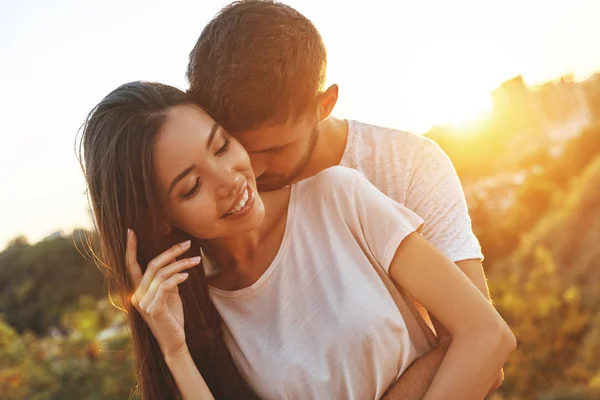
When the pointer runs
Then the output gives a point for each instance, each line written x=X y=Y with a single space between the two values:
x=336 y=177
x=332 y=187
x=326 y=197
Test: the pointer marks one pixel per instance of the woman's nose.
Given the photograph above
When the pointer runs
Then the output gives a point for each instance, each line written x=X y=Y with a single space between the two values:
x=229 y=183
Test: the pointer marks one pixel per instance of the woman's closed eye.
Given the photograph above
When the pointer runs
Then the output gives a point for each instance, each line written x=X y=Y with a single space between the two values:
x=193 y=190
x=196 y=186
x=223 y=148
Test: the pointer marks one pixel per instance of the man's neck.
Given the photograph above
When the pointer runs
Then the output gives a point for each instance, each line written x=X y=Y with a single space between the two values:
x=331 y=144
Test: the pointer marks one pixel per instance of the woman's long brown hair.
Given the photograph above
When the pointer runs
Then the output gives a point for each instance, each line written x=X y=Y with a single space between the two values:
x=115 y=150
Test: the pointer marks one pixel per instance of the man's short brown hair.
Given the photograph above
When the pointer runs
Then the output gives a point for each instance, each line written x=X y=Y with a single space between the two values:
x=257 y=62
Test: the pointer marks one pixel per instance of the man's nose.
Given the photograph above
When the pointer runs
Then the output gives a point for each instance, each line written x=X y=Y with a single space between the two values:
x=259 y=165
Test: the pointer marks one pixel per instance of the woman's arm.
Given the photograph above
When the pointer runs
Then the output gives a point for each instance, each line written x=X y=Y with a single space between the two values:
x=481 y=340
x=189 y=381
x=473 y=269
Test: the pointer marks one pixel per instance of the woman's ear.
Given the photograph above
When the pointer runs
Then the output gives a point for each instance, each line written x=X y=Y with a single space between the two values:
x=165 y=228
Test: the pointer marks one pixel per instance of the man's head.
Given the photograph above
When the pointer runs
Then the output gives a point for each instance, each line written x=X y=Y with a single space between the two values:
x=259 y=68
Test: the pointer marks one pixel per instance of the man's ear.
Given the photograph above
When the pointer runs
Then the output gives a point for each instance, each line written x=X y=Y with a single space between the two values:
x=327 y=101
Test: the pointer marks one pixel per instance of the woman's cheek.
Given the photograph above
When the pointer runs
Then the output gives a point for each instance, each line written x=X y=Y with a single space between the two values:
x=239 y=154
x=193 y=214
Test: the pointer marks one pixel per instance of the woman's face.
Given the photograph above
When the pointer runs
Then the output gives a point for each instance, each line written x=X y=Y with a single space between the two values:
x=204 y=178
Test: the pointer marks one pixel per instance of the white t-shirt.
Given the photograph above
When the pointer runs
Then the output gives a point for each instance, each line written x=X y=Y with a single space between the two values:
x=324 y=321
x=414 y=171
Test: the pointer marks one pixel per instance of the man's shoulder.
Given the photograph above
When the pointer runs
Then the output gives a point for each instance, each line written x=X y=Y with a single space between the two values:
x=372 y=144
x=385 y=136
x=388 y=157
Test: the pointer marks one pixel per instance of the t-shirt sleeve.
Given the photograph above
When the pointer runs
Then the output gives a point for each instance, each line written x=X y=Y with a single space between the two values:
x=435 y=193
x=384 y=223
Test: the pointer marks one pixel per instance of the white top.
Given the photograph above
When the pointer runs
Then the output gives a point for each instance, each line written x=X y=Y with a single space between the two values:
x=324 y=320
x=414 y=171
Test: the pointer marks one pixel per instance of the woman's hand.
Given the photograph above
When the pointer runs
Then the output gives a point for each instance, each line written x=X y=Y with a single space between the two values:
x=157 y=296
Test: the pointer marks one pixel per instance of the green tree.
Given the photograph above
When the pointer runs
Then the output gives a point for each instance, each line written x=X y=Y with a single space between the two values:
x=40 y=282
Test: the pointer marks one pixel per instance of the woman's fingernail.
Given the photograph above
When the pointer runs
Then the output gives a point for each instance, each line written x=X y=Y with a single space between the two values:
x=185 y=244
x=195 y=260
x=129 y=231
x=185 y=275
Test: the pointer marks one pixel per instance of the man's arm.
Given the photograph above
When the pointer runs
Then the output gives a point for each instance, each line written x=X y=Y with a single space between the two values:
x=415 y=381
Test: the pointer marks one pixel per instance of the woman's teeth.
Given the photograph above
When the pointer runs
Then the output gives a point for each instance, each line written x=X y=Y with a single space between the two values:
x=241 y=204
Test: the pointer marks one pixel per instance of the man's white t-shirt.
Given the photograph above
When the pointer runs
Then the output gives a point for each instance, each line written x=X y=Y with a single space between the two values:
x=324 y=321
x=414 y=171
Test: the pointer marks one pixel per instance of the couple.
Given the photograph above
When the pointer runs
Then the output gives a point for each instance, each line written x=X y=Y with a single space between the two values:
x=263 y=258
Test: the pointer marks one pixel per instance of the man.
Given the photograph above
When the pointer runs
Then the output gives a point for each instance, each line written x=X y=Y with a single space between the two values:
x=259 y=68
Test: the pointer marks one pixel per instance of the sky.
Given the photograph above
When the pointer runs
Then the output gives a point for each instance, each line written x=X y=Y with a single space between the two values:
x=403 y=64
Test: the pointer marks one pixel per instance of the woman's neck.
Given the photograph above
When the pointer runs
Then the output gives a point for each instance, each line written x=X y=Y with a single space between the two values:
x=241 y=252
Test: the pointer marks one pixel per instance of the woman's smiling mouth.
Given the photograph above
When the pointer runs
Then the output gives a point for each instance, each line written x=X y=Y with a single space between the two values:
x=242 y=205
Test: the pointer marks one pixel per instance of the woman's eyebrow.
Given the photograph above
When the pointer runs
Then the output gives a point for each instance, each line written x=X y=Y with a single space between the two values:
x=213 y=130
x=179 y=177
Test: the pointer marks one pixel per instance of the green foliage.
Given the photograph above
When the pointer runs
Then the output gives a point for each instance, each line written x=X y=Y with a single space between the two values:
x=547 y=183
x=39 y=283
x=548 y=292
x=578 y=393
x=578 y=153
x=548 y=319
x=69 y=367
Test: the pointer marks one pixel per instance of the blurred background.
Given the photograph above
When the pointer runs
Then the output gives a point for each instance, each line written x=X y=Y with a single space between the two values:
x=510 y=90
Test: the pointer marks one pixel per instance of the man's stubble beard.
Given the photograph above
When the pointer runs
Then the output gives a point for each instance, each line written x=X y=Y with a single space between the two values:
x=286 y=180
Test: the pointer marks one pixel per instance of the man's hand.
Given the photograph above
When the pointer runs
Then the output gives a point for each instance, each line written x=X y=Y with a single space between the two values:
x=415 y=381
x=498 y=382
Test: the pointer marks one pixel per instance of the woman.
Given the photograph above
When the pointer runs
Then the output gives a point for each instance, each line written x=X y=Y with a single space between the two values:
x=292 y=299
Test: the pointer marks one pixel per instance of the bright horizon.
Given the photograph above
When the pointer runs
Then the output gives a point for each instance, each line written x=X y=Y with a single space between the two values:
x=409 y=65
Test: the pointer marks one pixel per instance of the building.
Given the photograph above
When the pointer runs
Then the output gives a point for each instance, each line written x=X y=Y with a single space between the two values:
x=547 y=115
x=591 y=90
x=516 y=108
x=564 y=108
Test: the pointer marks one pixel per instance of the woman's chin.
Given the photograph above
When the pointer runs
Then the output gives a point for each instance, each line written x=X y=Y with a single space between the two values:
x=226 y=227
x=253 y=220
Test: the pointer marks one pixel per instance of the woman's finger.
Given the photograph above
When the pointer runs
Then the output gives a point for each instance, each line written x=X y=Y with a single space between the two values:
x=161 y=261
x=166 y=273
x=131 y=263
x=163 y=291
